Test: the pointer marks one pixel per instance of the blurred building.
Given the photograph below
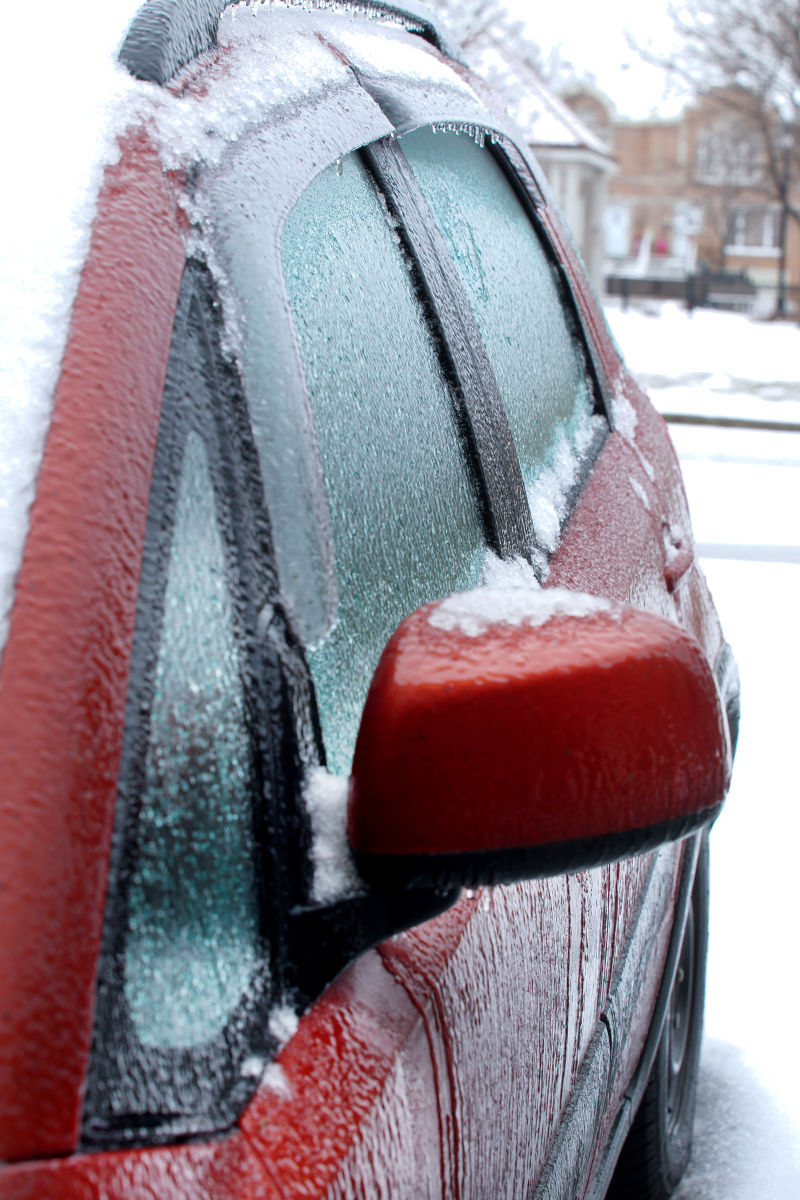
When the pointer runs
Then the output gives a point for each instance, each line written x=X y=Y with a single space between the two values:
x=693 y=194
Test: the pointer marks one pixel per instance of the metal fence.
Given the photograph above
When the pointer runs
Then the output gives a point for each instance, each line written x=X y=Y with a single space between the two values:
x=707 y=289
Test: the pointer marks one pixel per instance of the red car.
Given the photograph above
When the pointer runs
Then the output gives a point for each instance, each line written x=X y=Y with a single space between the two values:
x=363 y=705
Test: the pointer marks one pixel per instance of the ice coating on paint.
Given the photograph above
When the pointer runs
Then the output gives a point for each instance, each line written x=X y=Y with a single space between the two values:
x=649 y=469
x=352 y=8
x=639 y=491
x=389 y=54
x=625 y=422
x=625 y=418
x=473 y=613
x=675 y=537
x=254 y=80
x=326 y=801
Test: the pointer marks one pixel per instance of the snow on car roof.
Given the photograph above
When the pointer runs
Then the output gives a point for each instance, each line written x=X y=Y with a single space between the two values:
x=64 y=100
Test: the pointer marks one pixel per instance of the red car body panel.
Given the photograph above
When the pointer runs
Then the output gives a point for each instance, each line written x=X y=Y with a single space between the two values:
x=227 y=1167
x=361 y=1056
x=65 y=665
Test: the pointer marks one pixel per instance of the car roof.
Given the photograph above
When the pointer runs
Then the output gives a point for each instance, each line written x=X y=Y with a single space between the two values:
x=166 y=35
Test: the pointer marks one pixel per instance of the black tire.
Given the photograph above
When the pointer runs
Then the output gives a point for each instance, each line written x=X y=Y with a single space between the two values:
x=656 y=1151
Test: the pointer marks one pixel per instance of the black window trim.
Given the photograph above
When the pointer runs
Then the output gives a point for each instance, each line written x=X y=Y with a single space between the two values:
x=492 y=460
x=278 y=696
x=492 y=457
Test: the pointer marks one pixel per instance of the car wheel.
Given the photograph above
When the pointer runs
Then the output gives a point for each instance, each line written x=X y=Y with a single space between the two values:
x=656 y=1152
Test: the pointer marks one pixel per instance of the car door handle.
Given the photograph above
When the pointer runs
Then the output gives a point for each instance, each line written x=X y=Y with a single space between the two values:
x=679 y=555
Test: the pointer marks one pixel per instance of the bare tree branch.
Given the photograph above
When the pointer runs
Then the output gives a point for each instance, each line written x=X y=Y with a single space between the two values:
x=747 y=53
x=472 y=21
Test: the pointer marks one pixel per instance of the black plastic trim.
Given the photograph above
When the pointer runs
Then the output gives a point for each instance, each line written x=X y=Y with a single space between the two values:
x=489 y=867
x=166 y=35
x=143 y=1095
x=340 y=932
x=494 y=461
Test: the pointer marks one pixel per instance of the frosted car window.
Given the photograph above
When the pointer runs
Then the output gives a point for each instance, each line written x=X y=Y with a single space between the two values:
x=405 y=523
x=513 y=289
x=193 y=920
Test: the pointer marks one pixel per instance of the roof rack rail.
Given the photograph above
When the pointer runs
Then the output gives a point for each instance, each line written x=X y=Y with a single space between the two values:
x=165 y=35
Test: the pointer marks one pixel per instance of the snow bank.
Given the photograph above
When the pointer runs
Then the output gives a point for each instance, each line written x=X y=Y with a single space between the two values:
x=743 y=1148
x=665 y=339
x=711 y=363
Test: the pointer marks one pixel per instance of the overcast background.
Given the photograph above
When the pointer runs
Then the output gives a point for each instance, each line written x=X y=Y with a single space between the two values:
x=592 y=38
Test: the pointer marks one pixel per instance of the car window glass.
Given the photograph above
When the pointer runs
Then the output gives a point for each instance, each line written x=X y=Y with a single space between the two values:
x=405 y=523
x=192 y=942
x=527 y=331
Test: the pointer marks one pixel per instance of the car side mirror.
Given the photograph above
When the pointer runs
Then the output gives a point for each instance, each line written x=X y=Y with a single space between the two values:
x=511 y=734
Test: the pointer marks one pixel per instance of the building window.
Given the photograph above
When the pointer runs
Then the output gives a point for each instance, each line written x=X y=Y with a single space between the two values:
x=755 y=228
x=726 y=155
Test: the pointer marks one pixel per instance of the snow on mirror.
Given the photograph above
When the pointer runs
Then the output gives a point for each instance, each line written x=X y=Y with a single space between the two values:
x=474 y=612
x=193 y=935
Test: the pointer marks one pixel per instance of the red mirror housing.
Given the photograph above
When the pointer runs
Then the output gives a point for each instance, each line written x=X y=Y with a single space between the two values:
x=509 y=734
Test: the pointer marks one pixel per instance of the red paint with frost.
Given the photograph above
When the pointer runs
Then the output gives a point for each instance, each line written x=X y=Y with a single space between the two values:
x=528 y=735
x=359 y=1059
x=227 y=1167
x=65 y=665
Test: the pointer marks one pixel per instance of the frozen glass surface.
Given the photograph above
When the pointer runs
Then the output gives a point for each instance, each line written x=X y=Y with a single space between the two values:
x=514 y=294
x=405 y=524
x=193 y=918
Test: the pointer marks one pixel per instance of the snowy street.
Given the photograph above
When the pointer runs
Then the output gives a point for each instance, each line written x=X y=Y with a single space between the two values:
x=744 y=492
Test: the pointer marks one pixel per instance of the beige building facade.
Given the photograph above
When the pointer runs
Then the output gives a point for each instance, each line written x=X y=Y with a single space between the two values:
x=694 y=193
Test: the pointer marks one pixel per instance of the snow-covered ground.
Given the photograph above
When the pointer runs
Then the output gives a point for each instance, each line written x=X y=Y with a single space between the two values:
x=744 y=491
